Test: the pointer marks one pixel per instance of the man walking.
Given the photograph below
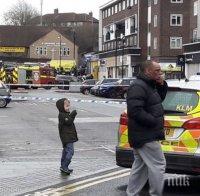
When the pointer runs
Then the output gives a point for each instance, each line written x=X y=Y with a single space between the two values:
x=145 y=129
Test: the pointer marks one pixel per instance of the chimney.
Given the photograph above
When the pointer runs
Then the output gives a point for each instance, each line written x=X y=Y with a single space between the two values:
x=56 y=11
x=90 y=14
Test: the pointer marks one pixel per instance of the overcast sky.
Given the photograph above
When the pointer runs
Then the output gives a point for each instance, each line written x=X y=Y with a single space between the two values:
x=78 y=6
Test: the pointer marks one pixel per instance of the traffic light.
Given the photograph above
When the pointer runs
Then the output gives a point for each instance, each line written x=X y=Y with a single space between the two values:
x=181 y=60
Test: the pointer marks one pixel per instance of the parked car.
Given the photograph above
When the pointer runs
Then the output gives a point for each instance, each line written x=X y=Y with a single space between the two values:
x=5 y=96
x=182 y=130
x=87 y=85
x=65 y=80
x=115 y=89
x=95 y=89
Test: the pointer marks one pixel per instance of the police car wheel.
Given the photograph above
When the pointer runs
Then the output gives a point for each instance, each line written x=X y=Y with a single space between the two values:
x=3 y=103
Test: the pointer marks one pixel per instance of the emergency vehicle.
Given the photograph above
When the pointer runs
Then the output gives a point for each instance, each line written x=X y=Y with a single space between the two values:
x=22 y=75
x=182 y=130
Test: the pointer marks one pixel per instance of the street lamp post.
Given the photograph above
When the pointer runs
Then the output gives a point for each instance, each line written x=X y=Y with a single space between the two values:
x=60 y=51
x=116 y=37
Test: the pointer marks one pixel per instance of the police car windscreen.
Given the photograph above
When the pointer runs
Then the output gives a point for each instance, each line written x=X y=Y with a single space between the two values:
x=181 y=101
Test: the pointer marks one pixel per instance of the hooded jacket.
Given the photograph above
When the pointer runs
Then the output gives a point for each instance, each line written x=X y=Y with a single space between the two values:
x=145 y=111
x=66 y=127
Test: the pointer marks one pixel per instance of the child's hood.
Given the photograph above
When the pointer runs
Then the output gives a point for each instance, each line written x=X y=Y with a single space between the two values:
x=60 y=105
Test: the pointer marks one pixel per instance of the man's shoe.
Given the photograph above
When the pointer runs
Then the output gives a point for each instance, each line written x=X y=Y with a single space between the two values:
x=65 y=171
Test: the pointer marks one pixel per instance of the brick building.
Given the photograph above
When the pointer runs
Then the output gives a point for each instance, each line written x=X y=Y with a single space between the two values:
x=192 y=47
x=131 y=31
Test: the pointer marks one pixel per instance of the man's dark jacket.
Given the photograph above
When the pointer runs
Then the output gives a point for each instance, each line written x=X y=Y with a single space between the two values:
x=66 y=127
x=145 y=111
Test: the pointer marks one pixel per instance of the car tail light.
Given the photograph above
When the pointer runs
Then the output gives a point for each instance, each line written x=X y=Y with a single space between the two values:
x=192 y=124
x=123 y=119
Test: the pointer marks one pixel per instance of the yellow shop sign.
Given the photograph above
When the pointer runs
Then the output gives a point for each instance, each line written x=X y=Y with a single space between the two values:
x=12 y=49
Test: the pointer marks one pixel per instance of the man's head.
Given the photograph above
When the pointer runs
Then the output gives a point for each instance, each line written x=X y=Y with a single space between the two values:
x=152 y=70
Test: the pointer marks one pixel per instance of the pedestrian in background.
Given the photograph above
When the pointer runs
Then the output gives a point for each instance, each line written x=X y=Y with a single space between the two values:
x=146 y=128
x=67 y=132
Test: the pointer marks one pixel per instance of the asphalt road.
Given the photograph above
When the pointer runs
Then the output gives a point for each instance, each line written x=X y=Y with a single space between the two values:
x=30 y=149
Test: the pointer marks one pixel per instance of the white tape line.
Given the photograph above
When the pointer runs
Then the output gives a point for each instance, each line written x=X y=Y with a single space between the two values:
x=74 y=100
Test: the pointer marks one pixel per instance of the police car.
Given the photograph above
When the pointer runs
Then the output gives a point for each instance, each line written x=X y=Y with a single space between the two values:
x=182 y=130
x=5 y=96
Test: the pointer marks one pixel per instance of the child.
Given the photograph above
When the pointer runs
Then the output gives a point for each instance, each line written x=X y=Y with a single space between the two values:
x=67 y=132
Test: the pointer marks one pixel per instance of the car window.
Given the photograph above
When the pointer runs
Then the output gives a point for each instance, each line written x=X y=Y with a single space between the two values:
x=180 y=101
x=90 y=82
x=126 y=82
x=109 y=80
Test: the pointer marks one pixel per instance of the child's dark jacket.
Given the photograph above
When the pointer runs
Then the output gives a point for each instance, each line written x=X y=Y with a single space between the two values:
x=66 y=127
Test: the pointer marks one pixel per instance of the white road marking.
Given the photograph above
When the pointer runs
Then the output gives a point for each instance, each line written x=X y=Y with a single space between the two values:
x=108 y=149
x=84 y=183
x=90 y=120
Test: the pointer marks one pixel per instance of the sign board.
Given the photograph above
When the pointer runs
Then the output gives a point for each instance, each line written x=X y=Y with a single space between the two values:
x=12 y=49
x=169 y=67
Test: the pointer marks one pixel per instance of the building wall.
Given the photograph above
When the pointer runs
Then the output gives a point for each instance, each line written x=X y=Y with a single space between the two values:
x=52 y=44
x=164 y=30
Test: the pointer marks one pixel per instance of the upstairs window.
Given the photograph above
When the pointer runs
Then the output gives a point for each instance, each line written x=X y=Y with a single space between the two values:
x=175 y=42
x=176 y=1
x=176 y=19
x=155 y=2
x=155 y=21
x=195 y=8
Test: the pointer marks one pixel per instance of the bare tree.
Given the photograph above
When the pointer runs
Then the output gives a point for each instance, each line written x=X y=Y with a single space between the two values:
x=20 y=14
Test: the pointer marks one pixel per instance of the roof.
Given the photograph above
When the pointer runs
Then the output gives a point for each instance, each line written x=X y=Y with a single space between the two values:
x=21 y=36
x=24 y=36
x=64 y=17
x=108 y=4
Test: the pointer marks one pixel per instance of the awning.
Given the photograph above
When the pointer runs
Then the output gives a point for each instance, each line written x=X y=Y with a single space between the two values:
x=66 y=64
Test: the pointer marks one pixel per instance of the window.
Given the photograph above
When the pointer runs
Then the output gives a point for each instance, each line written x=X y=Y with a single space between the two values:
x=131 y=2
x=155 y=21
x=120 y=7
x=135 y=2
x=123 y=5
x=79 y=24
x=189 y=100
x=133 y=24
x=195 y=8
x=37 y=50
x=65 y=51
x=155 y=43
x=176 y=19
x=116 y=9
x=112 y=10
x=127 y=3
x=195 y=37
x=176 y=42
x=106 y=13
x=176 y=1
x=45 y=51
x=155 y=2
x=41 y=51
x=109 y=12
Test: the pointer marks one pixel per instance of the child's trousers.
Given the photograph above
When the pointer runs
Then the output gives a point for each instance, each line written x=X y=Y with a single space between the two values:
x=67 y=154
